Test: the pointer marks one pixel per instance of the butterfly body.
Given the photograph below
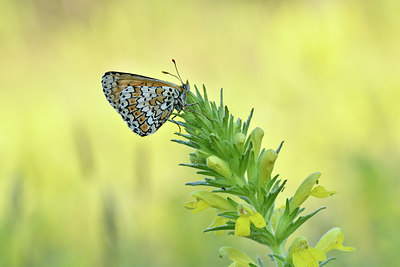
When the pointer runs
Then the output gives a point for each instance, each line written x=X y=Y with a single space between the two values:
x=144 y=103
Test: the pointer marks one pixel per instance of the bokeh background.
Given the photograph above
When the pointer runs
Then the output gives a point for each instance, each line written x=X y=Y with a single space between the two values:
x=78 y=188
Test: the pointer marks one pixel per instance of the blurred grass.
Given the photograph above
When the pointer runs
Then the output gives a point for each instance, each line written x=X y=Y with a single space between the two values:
x=79 y=189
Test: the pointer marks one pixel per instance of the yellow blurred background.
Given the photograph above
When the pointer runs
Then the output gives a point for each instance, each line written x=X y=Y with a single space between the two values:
x=78 y=188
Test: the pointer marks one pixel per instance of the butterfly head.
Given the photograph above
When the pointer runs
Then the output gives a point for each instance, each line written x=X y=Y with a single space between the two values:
x=186 y=86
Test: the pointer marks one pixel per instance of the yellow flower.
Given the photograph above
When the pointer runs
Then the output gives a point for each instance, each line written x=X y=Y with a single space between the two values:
x=302 y=255
x=206 y=199
x=247 y=215
x=333 y=239
x=320 y=192
x=304 y=190
x=307 y=189
x=218 y=221
x=239 y=258
x=196 y=206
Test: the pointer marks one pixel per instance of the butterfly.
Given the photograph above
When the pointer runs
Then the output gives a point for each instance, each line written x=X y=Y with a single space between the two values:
x=144 y=103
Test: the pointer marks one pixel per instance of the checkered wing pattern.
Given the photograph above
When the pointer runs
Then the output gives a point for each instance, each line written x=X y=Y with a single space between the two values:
x=144 y=103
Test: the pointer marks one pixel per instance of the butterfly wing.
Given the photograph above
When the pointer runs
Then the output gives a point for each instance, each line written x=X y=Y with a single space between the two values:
x=144 y=103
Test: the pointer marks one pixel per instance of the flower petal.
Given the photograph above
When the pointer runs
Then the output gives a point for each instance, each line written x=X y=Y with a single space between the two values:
x=333 y=239
x=196 y=206
x=320 y=192
x=258 y=220
x=242 y=226
x=301 y=254
x=213 y=200
x=308 y=257
x=236 y=256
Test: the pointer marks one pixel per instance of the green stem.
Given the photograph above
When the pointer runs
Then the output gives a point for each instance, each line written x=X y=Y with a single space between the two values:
x=280 y=251
x=254 y=202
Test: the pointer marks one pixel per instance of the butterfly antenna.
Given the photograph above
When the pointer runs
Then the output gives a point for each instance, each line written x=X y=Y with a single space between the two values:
x=176 y=76
x=176 y=68
x=166 y=72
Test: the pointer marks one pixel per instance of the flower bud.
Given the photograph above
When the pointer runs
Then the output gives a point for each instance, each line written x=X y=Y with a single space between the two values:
x=267 y=162
x=256 y=137
x=239 y=139
x=218 y=165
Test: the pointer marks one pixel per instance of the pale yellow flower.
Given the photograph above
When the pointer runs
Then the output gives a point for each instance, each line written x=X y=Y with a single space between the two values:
x=206 y=199
x=247 y=215
x=333 y=239
x=302 y=255
x=307 y=189
x=239 y=258
x=320 y=192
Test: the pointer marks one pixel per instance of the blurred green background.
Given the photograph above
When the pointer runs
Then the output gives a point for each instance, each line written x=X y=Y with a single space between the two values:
x=78 y=188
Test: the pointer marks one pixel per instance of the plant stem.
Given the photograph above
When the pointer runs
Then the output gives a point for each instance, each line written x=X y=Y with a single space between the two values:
x=278 y=250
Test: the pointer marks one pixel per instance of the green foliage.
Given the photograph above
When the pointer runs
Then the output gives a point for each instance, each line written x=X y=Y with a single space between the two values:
x=231 y=161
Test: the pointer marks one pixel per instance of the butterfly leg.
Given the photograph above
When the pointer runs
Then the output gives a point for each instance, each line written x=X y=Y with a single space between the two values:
x=172 y=120
x=202 y=111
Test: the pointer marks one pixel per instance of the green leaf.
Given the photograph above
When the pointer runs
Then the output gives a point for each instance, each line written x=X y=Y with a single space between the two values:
x=219 y=228
x=186 y=143
x=198 y=183
x=269 y=200
x=245 y=160
x=196 y=166
x=260 y=262
x=293 y=226
x=212 y=183
x=212 y=173
x=229 y=214
x=232 y=202
x=322 y=263
x=262 y=236
x=274 y=256
x=279 y=148
x=231 y=190
x=247 y=123
x=272 y=182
